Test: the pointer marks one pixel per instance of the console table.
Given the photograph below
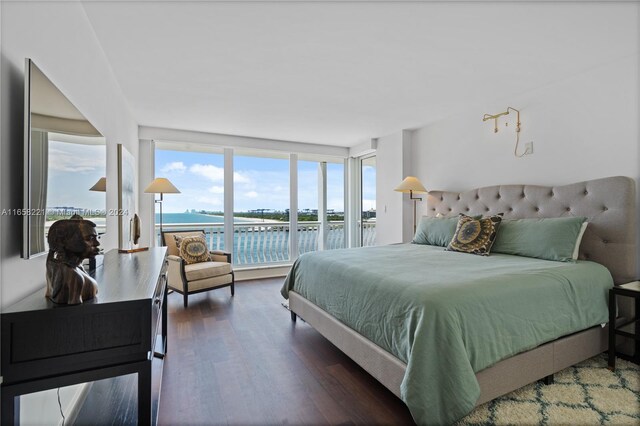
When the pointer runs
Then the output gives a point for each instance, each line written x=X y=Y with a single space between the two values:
x=46 y=346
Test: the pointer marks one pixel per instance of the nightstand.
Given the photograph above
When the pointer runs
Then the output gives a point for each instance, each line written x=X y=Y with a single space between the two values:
x=628 y=328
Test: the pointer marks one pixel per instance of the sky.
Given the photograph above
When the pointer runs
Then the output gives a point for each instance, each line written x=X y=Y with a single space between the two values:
x=259 y=183
x=73 y=169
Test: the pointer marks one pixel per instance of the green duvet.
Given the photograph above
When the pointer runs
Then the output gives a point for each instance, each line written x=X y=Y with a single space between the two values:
x=449 y=315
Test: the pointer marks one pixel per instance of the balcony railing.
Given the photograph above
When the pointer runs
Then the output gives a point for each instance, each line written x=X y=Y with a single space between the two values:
x=260 y=242
x=263 y=242
x=368 y=230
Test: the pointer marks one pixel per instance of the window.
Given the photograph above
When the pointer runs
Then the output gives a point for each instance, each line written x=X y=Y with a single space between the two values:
x=260 y=202
x=309 y=179
x=336 y=237
x=261 y=208
x=368 y=202
x=200 y=205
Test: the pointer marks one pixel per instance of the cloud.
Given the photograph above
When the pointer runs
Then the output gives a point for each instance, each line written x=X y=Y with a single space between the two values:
x=216 y=174
x=176 y=166
x=208 y=171
x=240 y=178
x=61 y=160
x=262 y=189
x=217 y=189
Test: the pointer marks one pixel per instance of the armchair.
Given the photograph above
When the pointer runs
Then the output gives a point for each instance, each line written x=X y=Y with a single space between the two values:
x=197 y=277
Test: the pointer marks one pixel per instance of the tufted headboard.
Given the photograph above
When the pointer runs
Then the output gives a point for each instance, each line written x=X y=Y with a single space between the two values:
x=608 y=204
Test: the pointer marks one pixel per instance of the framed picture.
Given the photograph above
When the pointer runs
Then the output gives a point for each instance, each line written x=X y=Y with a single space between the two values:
x=126 y=196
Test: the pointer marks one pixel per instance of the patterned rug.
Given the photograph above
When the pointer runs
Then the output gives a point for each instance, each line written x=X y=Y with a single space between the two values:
x=585 y=394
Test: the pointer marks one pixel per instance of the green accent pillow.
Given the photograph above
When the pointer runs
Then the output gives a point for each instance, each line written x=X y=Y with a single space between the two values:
x=435 y=231
x=475 y=236
x=544 y=238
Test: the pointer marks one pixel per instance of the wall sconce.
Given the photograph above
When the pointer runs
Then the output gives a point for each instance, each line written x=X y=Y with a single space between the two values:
x=494 y=117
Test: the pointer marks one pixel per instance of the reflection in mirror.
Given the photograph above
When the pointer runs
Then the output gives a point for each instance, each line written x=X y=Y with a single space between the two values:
x=64 y=157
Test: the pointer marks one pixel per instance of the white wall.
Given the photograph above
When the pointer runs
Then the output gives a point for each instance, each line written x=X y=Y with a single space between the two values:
x=61 y=41
x=66 y=49
x=146 y=204
x=583 y=127
x=394 y=220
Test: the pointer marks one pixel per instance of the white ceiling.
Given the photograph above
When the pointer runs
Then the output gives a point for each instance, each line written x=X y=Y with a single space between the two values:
x=341 y=73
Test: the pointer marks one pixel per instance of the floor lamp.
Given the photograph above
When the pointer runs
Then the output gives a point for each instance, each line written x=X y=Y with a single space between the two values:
x=161 y=186
x=411 y=184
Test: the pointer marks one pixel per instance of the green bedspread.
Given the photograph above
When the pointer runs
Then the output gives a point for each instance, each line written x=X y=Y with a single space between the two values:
x=449 y=315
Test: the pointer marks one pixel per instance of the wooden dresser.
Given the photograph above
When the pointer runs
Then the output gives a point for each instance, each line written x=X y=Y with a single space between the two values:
x=46 y=346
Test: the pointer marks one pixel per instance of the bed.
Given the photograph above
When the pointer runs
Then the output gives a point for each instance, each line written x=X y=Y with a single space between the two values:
x=457 y=343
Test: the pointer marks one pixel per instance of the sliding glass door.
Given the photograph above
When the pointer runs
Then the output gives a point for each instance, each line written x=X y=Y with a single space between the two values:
x=367 y=222
x=320 y=205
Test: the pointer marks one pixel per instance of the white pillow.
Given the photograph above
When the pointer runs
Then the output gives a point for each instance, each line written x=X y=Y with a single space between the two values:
x=576 y=249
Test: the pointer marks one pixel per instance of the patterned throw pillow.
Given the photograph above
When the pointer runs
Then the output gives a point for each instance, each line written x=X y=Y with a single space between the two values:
x=475 y=236
x=193 y=249
x=178 y=238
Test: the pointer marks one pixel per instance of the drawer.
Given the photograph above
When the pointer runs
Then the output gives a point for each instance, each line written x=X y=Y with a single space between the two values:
x=157 y=308
x=70 y=339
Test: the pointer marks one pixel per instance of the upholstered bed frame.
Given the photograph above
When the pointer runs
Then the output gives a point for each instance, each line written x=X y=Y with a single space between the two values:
x=610 y=239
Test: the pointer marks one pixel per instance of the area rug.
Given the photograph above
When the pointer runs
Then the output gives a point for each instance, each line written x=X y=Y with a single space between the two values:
x=585 y=394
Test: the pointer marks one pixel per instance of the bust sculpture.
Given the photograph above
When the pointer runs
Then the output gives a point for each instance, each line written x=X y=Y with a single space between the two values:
x=70 y=242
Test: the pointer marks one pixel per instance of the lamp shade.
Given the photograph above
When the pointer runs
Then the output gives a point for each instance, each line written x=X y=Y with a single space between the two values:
x=411 y=184
x=161 y=186
x=100 y=185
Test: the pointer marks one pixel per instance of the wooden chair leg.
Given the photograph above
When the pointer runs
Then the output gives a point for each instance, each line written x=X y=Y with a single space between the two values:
x=186 y=301
x=233 y=289
x=293 y=316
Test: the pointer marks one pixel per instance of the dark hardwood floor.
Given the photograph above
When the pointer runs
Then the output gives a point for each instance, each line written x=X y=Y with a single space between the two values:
x=241 y=360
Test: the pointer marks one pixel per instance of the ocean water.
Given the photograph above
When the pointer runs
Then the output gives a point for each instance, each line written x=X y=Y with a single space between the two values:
x=197 y=218
x=188 y=218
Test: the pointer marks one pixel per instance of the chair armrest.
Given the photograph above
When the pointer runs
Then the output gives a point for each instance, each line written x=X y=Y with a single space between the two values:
x=174 y=272
x=220 y=256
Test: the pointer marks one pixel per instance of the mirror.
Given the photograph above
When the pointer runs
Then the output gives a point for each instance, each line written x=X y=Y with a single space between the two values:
x=64 y=158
